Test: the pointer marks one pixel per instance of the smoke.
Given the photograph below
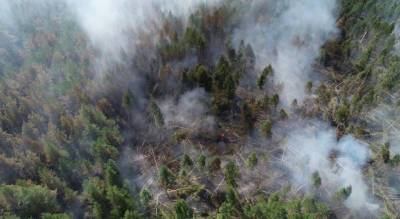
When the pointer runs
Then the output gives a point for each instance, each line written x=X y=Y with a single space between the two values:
x=339 y=163
x=113 y=26
x=191 y=111
x=384 y=119
x=288 y=35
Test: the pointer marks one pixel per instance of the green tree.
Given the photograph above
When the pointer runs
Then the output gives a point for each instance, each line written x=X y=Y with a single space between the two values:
x=186 y=161
x=283 y=114
x=166 y=177
x=127 y=99
x=221 y=73
x=201 y=77
x=275 y=100
x=246 y=117
x=112 y=174
x=195 y=38
x=27 y=200
x=342 y=113
x=129 y=214
x=224 y=86
x=182 y=210
x=201 y=161
x=264 y=75
x=344 y=193
x=231 y=171
x=266 y=128
x=145 y=196
x=156 y=114
x=252 y=160
x=385 y=153
x=316 y=179
x=55 y=216
x=226 y=211
x=309 y=87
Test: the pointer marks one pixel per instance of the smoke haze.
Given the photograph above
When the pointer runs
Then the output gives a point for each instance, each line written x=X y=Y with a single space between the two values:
x=288 y=35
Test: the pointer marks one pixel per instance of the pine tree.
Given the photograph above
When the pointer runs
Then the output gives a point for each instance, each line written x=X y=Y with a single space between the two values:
x=231 y=171
x=264 y=75
x=252 y=160
x=246 y=117
x=182 y=210
x=201 y=161
x=266 y=128
x=166 y=177
x=316 y=179
x=186 y=161
x=156 y=114
x=385 y=153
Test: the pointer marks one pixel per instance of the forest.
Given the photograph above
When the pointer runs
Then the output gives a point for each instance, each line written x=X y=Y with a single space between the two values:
x=183 y=109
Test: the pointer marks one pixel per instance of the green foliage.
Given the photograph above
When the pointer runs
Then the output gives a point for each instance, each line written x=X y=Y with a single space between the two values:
x=266 y=128
x=61 y=128
x=55 y=216
x=166 y=177
x=226 y=211
x=182 y=210
x=112 y=174
x=201 y=161
x=131 y=215
x=145 y=196
x=246 y=117
x=276 y=207
x=156 y=114
x=316 y=179
x=263 y=77
x=201 y=77
x=283 y=114
x=342 y=113
x=395 y=160
x=252 y=160
x=27 y=200
x=107 y=200
x=309 y=86
x=53 y=182
x=324 y=95
x=128 y=99
x=231 y=206
x=224 y=86
x=231 y=172
x=186 y=161
x=385 y=153
x=344 y=193
x=195 y=38
x=275 y=100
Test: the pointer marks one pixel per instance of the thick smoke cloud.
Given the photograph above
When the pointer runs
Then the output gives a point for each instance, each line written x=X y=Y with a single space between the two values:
x=339 y=163
x=288 y=35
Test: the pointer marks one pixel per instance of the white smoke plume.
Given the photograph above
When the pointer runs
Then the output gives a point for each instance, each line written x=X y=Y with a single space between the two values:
x=191 y=111
x=113 y=25
x=288 y=34
x=339 y=163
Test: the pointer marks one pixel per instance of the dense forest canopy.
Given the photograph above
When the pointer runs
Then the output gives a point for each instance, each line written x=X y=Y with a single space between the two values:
x=199 y=109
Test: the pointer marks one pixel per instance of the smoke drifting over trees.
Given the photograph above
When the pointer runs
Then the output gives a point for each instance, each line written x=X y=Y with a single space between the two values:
x=288 y=35
x=217 y=108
